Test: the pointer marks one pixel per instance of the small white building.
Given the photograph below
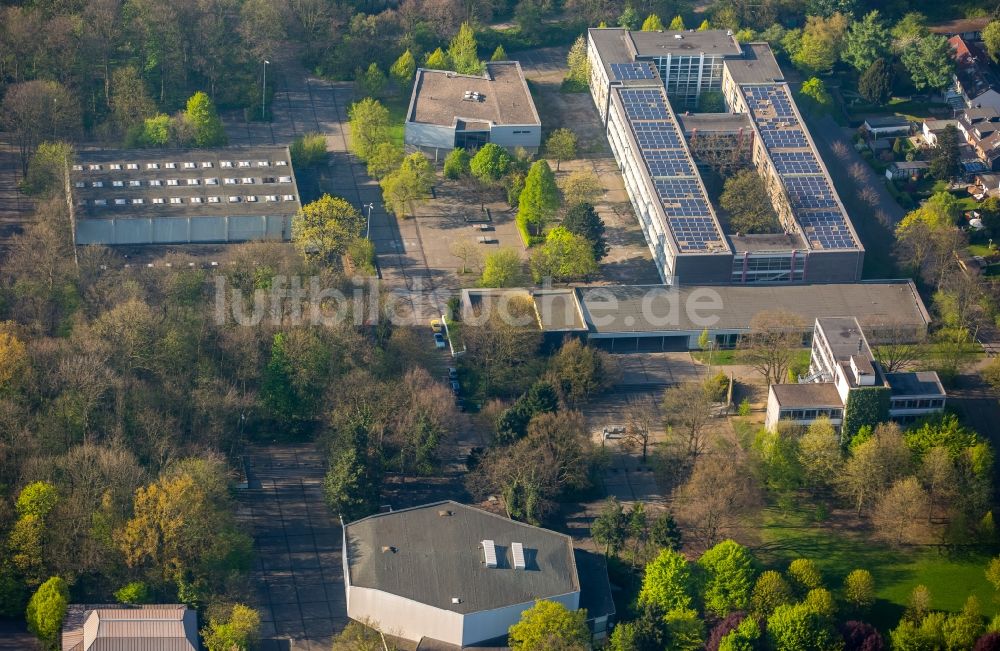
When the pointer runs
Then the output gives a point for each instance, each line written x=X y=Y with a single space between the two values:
x=906 y=169
x=453 y=574
x=888 y=125
x=449 y=110
x=931 y=128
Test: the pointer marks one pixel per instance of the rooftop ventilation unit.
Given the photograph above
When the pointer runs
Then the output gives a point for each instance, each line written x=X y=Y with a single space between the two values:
x=517 y=551
x=679 y=36
x=444 y=513
x=490 y=553
x=456 y=600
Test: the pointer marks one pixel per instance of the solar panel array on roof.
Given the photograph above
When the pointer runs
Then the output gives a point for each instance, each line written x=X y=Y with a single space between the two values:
x=632 y=71
x=812 y=197
x=689 y=214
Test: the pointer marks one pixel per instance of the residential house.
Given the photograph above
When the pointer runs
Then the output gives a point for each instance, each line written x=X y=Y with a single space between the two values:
x=842 y=362
x=970 y=29
x=975 y=80
x=989 y=184
x=981 y=129
x=902 y=170
x=931 y=128
x=117 y=627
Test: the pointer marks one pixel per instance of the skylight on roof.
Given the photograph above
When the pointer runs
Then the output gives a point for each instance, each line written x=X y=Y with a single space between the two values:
x=132 y=166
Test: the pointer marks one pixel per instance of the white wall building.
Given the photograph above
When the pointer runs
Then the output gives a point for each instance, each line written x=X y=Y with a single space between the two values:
x=451 y=573
x=449 y=110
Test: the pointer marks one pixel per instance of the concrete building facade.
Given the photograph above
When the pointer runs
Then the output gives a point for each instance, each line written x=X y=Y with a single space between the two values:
x=634 y=81
x=449 y=110
x=841 y=361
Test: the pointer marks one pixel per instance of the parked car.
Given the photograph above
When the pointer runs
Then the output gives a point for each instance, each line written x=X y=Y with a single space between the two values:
x=439 y=340
x=436 y=325
x=452 y=373
x=456 y=388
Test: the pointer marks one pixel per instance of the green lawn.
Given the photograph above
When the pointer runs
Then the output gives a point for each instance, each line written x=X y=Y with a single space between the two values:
x=397 y=116
x=789 y=534
x=981 y=249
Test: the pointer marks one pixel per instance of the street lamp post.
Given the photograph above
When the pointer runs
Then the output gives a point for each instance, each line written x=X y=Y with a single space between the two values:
x=263 y=93
x=368 y=227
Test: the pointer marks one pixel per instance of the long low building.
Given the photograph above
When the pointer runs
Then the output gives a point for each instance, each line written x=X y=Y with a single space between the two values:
x=628 y=318
x=183 y=196
x=637 y=78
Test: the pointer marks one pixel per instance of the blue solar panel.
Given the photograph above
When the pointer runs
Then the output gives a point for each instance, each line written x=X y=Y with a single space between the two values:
x=809 y=192
x=795 y=162
x=628 y=71
x=667 y=162
x=644 y=104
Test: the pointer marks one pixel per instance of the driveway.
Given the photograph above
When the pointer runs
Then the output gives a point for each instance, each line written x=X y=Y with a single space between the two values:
x=297 y=542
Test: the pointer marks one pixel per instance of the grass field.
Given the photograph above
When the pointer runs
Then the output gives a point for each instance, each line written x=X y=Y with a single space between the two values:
x=789 y=534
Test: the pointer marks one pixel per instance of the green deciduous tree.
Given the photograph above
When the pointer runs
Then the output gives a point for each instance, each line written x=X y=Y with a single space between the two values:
x=564 y=256
x=456 y=163
x=502 y=268
x=437 y=60
x=821 y=43
x=462 y=52
x=550 y=626
x=814 y=90
x=652 y=24
x=859 y=590
x=490 y=163
x=47 y=170
x=677 y=24
x=578 y=76
x=795 y=627
x=770 y=591
x=371 y=82
x=744 y=197
x=409 y=184
x=561 y=146
x=579 y=371
x=991 y=39
x=324 y=228
x=37 y=499
x=728 y=577
x=46 y=611
x=369 y=123
x=133 y=592
x=804 y=576
x=403 y=68
x=819 y=456
x=539 y=200
x=866 y=41
x=875 y=82
x=873 y=466
x=929 y=62
x=582 y=219
x=237 y=631
x=582 y=186
x=666 y=583
x=204 y=120
x=385 y=159
x=685 y=631
x=499 y=54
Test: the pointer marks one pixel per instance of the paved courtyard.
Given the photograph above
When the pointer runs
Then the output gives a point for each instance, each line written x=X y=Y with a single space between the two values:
x=297 y=542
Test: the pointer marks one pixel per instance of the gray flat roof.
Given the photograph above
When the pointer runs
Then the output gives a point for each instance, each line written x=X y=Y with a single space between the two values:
x=760 y=242
x=688 y=42
x=439 y=97
x=649 y=309
x=758 y=66
x=812 y=394
x=439 y=557
x=183 y=182
x=557 y=310
x=920 y=383
x=713 y=122
x=845 y=337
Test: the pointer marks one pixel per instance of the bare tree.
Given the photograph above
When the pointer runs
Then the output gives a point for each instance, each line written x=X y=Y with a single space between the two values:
x=723 y=154
x=34 y=111
x=687 y=416
x=896 y=346
x=468 y=252
x=720 y=493
x=641 y=416
x=772 y=342
x=499 y=347
x=899 y=516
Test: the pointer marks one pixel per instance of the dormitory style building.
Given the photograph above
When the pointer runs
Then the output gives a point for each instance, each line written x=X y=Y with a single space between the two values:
x=640 y=81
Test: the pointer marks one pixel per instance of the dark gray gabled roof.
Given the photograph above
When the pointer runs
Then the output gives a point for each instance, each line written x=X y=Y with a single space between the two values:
x=428 y=556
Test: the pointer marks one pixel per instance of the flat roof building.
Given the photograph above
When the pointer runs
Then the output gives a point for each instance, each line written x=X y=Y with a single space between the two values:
x=183 y=196
x=454 y=574
x=628 y=318
x=637 y=79
x=841 y=362
x=449 y=110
